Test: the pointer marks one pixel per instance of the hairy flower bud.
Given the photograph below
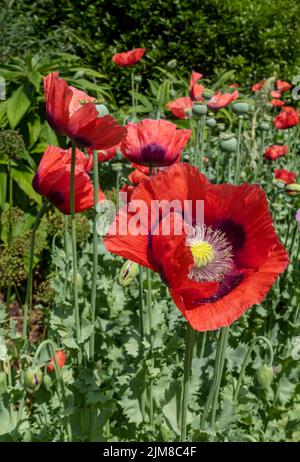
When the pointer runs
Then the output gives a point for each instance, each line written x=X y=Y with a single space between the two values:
x=33 y=379
x=264 y=377
x=128 y=273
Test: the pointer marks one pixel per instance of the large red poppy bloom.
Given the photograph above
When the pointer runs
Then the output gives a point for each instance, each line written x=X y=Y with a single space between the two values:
x=128 y=58
x=196 y=89
x=73 y=113
x=258 y=86
x=286 y=176
x=154 y=142
x=52 y=179
x=287 y=118
x=283 y=86
x=181 y=107
x=216 y=269
x=218 y=101
x=275 y=151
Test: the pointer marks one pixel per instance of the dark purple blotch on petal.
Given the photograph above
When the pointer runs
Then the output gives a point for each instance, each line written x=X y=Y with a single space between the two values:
x=153 y=153
x=234 y=232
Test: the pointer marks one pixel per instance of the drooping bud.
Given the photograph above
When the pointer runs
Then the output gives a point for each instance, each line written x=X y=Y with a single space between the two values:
x=3 y=383
x=228 y=142
x=264 y=377
x=293 y=189
x=47 y=381
x=128 y=273
x=33 y=379
x=199 y=109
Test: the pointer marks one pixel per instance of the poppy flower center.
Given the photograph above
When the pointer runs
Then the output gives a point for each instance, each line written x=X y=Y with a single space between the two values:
x=212 y=253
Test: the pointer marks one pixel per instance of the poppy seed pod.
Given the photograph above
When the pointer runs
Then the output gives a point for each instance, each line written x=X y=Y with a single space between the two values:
x=240 y=107
x=199 y=109
x=207 y=94
x=102 y=110
x=264 y=126
x=3 y=383
x=264 y=377
x=117 y=167
x=33 y=379
x=221 y=127
x=228 y=143
x=172 y=64
x=138 y=79
x=211 y=122
x=293 y=189
x=128 y=273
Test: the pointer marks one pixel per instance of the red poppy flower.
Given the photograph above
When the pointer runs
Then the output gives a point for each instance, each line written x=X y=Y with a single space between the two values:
x=105 y=154
x=286 y=176
x=277 y=102
x=216 y=269
x=196 y=89
x=275 y=94
x=258 y=86
x=61 y=359
x=181 y=107
x=135 y=178
x=275 y=151
x=73 y=113
x=154 y=142
x=283 y=86
x=128 y=58
x=218 y=101
x=287 y=118
x=52 y=179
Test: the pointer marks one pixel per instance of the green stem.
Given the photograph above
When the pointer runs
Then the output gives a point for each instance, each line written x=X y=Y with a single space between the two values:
x=74 y=250
x=142 y=331
x=245 y=362
x=149 y=310
x=196 y=150
x=59 y=378
x=118 y=190
x=28 y=297
x=224 y=340
x=260 y=158
x=202 y=137
x=95 y=254
x=238 y=152
x=229 y=169
x=66 y=246
x=189 y=343
x=132 y=94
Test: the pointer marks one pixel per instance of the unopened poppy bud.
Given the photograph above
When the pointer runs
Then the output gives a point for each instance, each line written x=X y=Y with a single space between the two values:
x=172 y=64
x=240 y=107
x=264 y=126
x=264 y=377
x=211 y=122
x=47 y=381
x=228 y=143
x=128 y=273
x=221 y=127
x=138 y=79
x=207 y=94
x=33 y=379
x=199 y=109
x=3 y=383
x=102 y=110
x=116 y=167
x=293 y=189
x=279 y=184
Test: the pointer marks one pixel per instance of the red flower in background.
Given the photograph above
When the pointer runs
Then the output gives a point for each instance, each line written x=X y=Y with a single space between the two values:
x=275 y=94
x=218 y=101
x=275 y=151
x=287 y=118
x=181 y=107
x=154 y=142
x=73 y=113
x=258 y=86
x=277 y=102
x=134 y=178
x=283 y=86
x=52 y=179
x=233 y=85
x=61 y=359
x=215 y=270
x=128 y=58
x=196 y=89
x=105 y=154
x=286 y=176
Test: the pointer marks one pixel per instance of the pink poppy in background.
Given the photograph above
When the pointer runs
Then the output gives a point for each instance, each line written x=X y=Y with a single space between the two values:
x=196 y=89
x=128 y=58
x=218 y=101
x=181 y=107
x=275 y=94
x=277 y=102
x=258 y=86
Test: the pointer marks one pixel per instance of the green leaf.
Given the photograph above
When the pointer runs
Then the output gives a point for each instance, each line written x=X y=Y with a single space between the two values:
x=6 y=425
x=17 y=106
x=23 y=177
x=3 y=183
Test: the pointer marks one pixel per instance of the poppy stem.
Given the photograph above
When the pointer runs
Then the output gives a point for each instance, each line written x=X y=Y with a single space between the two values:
x=74 y=250
x=238 y=152
x=196 y=150
x=149 y=309
x=223 y=344
x=245 y=362
x=132 y=94
x=260 y=158
x=95 y=253
x=202 y=137
x=28 y=297
x=189 y=344
x=59 y=378
x=142 y=330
